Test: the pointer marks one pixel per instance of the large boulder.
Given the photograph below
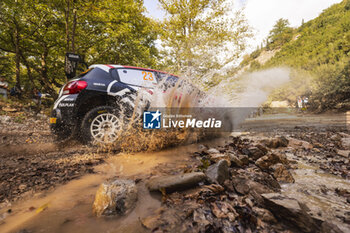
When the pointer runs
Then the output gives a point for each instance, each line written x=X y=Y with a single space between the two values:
x=271 y=159
x=291 y=212
x=116 y=197
x=218 y=172
x=296 y=143
x=176 y=182
x=276 y=142
x=254 y=152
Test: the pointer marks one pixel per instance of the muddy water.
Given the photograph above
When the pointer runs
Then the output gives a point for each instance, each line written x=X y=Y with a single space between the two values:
x=317 y=190
x=69 y=207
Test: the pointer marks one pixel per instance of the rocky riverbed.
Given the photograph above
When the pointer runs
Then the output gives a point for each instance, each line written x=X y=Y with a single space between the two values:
x=294 y=179
x=248 y=188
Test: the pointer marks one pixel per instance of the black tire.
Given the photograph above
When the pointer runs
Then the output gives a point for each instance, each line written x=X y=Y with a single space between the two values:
x=86 y=130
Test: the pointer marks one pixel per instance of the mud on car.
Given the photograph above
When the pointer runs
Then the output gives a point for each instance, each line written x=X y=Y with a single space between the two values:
x=89 y=106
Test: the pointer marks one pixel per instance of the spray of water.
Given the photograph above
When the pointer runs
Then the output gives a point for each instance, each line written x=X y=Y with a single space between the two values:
x=246 y=93
x=243 y=94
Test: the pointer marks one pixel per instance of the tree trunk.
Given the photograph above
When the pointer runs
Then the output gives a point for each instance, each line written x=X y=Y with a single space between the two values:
x=17 y=57
x=67 y=12
x=48 y=86
x=74 y=26
x=29 y=70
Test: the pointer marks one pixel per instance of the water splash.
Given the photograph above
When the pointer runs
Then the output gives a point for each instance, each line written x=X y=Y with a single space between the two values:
x=243 y=95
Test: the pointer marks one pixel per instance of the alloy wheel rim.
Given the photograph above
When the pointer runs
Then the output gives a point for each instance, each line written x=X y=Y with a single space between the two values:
x=104 y=128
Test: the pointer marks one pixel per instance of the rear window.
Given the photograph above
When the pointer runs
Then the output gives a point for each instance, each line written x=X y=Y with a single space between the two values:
x=95 y=73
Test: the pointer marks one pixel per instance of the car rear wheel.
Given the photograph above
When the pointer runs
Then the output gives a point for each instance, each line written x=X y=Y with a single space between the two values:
x=101 y=125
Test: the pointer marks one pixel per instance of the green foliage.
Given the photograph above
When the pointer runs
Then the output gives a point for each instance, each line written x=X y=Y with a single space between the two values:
x=322 y=48
x=300 y=84
x=280 y=34
x=35 y=35
x=200 y=36
x=254 y=65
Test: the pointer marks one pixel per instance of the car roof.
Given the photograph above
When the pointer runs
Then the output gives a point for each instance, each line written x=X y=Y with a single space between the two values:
x=107 y=67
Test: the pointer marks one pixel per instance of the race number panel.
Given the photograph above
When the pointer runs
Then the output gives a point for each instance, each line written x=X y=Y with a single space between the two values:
x=135 y=77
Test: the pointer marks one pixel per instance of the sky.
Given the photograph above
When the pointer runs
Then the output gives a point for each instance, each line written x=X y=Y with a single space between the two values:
x=263 y=14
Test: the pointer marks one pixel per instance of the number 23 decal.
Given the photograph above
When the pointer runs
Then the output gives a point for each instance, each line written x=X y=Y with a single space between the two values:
x=147 y=76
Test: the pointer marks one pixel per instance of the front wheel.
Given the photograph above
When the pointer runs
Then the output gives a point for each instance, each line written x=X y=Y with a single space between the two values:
x=101 y=125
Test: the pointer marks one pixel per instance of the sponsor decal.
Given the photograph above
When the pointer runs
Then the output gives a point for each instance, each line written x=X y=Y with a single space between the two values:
x=99 y=84
x=63 y=105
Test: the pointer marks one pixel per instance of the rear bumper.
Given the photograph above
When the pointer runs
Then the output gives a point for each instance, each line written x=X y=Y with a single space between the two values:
x=60 y=123
x=56 y=124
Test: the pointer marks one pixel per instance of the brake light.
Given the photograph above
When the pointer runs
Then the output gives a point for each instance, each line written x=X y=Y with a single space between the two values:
x=74 y=87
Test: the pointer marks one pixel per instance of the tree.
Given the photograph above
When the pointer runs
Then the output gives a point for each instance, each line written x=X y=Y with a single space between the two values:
x=322 y=50
x=35 y=35
x=200 y=36
x=280 y=34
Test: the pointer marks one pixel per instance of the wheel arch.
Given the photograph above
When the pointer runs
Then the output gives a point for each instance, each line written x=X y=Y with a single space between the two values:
x=95 y=101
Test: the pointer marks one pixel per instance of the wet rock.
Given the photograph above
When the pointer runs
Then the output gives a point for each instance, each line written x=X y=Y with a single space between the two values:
x=270 y=159
x=217 y=157
x=116 y=197
x=254 y=152
x=213 y=151
x=241 y=186
x=296 y=143
x=176 y=182
x=244 y=186
x=276 y=142
x=218 y=173
x=342 y=192
x=282 y=174
x=151 y=222
x=318 y=145
x=335 y=137
x=22 y=187
x=262 y=148
x=265 y=215
x=345 y=142
x=316 y=150
x=170 y=219
x=291 y=212
x=239 y=160
x=244 y=159
x=199 y=218
x=344 y=153
x=328 y=227
x=235 y=161
x=268 y=181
